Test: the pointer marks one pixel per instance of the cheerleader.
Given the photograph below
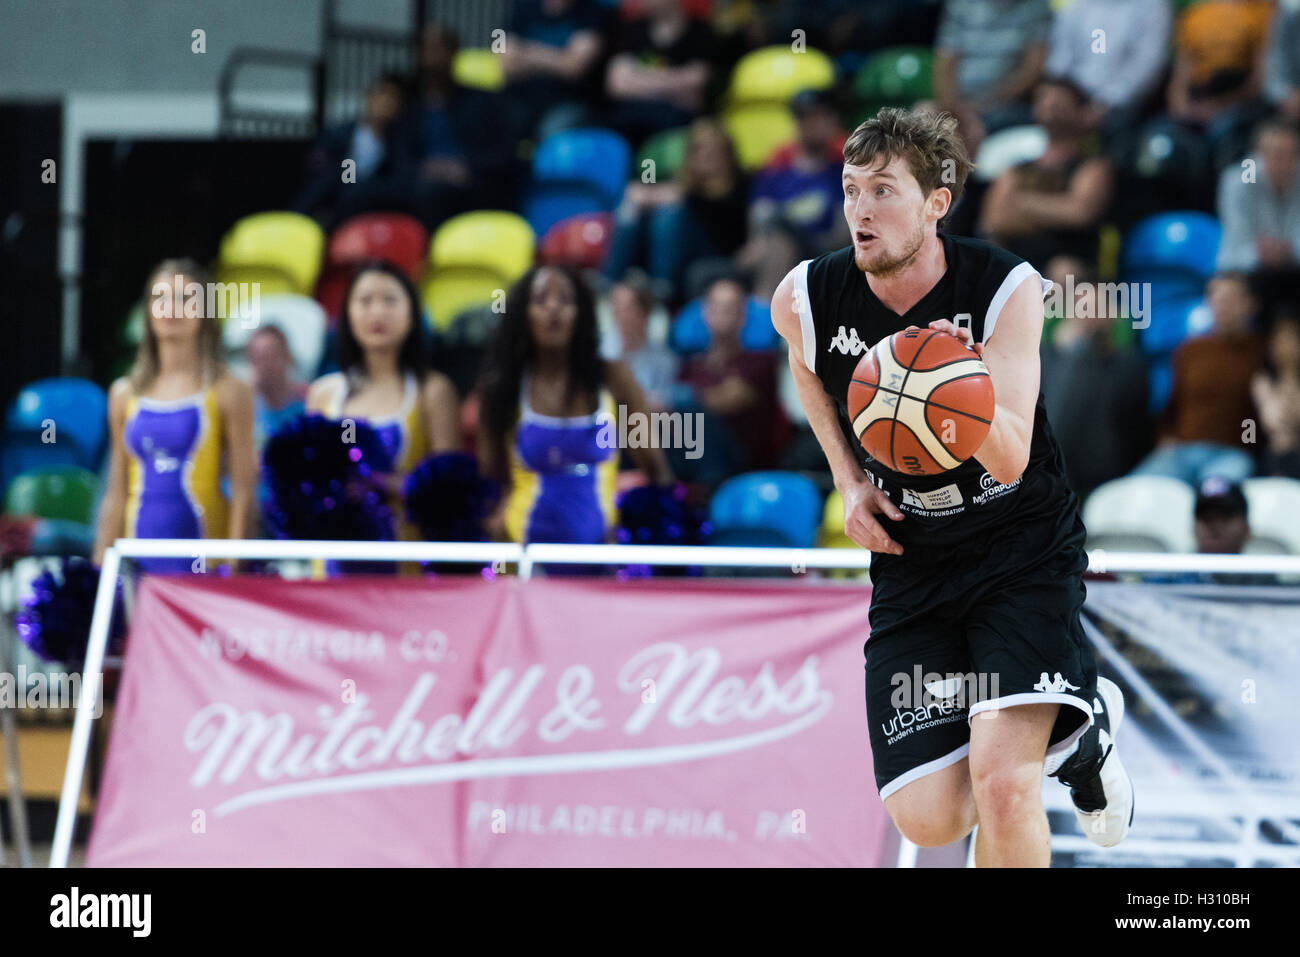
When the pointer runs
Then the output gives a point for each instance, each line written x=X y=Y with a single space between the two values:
x=547 y=403
x=179 y=423
x=383 y=379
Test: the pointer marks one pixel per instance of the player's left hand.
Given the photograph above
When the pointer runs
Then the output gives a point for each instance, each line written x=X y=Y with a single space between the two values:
x=962 y=333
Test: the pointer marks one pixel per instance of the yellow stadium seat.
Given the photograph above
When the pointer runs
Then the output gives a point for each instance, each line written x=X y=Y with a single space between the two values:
x=757 y=131
x=491 y=240
x=775 y=74
x=832 y=530
x=289 y=243
x=481 y=69
x=270 y=282
x=448 y=292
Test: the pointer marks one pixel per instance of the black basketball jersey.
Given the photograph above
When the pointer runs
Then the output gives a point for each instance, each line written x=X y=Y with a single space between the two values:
x=841 y=318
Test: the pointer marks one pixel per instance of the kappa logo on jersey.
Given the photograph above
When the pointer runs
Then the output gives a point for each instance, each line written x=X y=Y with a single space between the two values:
x=847 y=343
x=1057 y=684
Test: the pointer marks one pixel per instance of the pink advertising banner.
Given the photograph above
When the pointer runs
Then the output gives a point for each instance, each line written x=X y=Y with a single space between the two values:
x=465 y=722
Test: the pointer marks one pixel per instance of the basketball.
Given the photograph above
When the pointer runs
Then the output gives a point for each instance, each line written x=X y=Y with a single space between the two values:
x=921 y=402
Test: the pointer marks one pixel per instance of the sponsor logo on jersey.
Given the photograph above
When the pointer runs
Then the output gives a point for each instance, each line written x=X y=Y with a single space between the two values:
x=993 y=488
x=846 y=342
x=937 y=500
x=1054 y=685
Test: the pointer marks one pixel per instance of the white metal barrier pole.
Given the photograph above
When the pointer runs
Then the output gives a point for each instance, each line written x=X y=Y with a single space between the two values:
x=91 y=688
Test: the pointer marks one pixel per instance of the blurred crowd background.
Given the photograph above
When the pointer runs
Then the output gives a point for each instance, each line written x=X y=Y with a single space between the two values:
x=654 y=168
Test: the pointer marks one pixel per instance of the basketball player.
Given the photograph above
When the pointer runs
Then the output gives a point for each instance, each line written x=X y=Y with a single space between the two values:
x=976 y=571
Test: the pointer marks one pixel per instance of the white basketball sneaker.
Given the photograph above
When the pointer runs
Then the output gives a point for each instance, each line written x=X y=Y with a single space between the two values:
x=1100 y=788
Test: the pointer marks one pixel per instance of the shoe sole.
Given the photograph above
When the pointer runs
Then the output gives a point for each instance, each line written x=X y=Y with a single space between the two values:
x=1115 y=711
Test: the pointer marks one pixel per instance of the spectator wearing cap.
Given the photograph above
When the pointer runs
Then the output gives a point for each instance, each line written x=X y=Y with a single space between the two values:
x=1222 y=526
x=1205 y=425
x=1261 y=213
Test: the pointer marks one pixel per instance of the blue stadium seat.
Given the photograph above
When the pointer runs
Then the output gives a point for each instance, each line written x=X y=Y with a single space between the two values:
x=550 y=203
x=1159 y=380
x=1175 y=243
x=590 y=155
x=79 y=410
x=766 y=508
x=1171 y=323
x=690 y=334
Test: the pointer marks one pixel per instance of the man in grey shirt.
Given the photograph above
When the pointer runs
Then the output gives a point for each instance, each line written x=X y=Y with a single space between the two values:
x=1259 y=202
x=1115 y=50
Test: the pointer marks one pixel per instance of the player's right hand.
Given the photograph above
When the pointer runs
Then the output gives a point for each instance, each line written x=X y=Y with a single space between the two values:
x=862 y=503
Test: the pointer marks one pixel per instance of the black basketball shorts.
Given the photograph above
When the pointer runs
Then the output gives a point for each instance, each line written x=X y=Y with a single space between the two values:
x=969 y=645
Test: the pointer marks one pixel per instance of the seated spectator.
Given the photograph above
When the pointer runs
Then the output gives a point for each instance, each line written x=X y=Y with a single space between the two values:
x=372 y=143
x=1217 y=75
x=1276 y=391
x=733 y=385
x=1222 y=526
x=665 y=226
x=990 y=56
x=460 y=160
x=1282 y=62
x=655 y=366
x=1119 y=77
x=1203 y=428
x=1261 y=218
x=278 y=398
x=1095 y=392
x=657 y=75
x=551 y=53
x=1053 y=205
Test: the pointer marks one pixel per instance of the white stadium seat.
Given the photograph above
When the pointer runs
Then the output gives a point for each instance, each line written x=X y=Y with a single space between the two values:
x=303 y=321
x=1141 y=513
x=1273 y=508
x=1007 y=148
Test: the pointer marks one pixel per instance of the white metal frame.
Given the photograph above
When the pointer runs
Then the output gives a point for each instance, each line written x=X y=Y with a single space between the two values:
x=525 y=557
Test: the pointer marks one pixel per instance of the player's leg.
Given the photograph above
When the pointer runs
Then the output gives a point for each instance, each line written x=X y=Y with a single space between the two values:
x=919 y=737
x=1006 y=769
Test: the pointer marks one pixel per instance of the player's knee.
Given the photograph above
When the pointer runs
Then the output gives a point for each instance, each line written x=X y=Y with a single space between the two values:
x=928 y=827
x=1005 y=792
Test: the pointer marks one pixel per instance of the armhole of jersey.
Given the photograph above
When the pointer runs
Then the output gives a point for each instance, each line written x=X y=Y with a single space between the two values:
x=1014 y=278
x=803 y=305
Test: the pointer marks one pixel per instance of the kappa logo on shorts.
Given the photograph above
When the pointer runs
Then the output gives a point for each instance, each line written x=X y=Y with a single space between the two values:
x=847 y=343
x=1054 y=685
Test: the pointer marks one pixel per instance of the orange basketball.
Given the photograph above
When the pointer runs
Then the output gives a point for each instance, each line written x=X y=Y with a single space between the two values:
x=921 y=402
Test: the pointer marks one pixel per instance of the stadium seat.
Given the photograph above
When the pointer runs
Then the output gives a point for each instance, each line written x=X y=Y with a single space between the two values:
x=488 y=240
x=766 y=508
x=396 y=237
x=832 y=527
x=894 y=76
x=667 y=150
x=480 y=69
x=690 y=333
x=278 y=249
x=1273 y=508
x=580 y=241
x=77 y=408
x=1172 y=321
x=1178 y=243
x=775 y=74
x=1006 y=148
x=1140 y=513
x=62 y=492
x=592 y=156
x=303 y=323
x=757 y=131
x=449 y=292
x=552 y=203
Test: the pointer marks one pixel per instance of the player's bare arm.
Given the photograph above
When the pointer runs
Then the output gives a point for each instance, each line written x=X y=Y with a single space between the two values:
x=862 y=500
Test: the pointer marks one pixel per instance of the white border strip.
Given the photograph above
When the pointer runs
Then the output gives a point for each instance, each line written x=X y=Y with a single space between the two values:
x=803 y=306
x=1014 y=279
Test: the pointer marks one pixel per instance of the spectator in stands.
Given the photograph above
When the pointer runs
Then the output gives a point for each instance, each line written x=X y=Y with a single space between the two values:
x=383 y=378
x=278 y=397
x=373 y=143
x=1095 y=391
x=1210 y=413
x=1053 y=205
x=549 y=414
x=990 y=56
x=1120 y=67
x=462 y=141
x=1259 y=205
x=667 y=226
x=179 y=423
x=659 y=70
x=1218 y=70
x=552 y=50
x=1276 y=391
x=796 y=199
x=1222 y=526
x=654 y=365
x=1282 y=61
x=734 y=385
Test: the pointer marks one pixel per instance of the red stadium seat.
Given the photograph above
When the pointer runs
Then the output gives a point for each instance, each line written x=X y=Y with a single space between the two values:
x=399 y=238
x=580 y=241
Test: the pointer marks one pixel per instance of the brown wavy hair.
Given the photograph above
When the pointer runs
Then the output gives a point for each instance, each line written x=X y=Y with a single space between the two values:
x=927 y=141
